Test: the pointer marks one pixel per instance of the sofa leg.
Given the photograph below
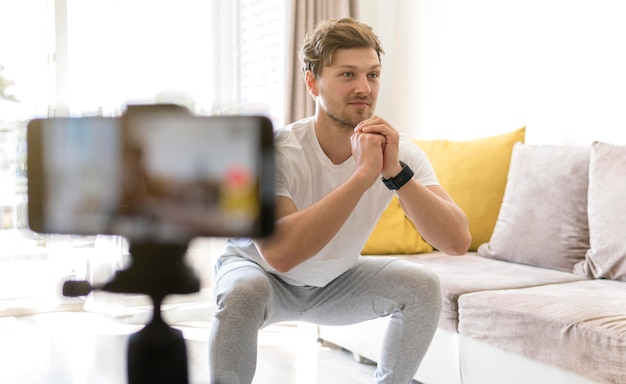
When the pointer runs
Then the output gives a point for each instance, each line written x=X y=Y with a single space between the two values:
x=358 y=358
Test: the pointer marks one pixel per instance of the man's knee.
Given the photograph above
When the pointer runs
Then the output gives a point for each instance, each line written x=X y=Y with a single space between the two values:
x=244 y=289
x=421 y=284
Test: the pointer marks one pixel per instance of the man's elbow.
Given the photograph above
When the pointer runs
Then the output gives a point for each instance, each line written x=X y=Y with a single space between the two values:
x=282 y=267
x=459 y=246
x=278 y=263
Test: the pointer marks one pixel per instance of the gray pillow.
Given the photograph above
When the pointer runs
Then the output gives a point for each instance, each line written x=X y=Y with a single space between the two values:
x=543 y=216
x=607 y=213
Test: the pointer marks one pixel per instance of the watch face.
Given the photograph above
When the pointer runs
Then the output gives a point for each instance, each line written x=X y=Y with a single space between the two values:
x=401 y=178
x=390 y=183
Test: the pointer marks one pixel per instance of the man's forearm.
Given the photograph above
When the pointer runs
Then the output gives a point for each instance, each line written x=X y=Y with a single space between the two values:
x=301 y=234
x=442 y=223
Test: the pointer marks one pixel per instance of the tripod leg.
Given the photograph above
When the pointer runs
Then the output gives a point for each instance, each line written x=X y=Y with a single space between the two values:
x=157 y=354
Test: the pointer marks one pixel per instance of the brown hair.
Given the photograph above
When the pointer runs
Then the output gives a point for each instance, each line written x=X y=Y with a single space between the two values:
x=328 y=36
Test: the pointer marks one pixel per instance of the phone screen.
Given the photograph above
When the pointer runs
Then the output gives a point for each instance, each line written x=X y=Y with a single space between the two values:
x=157 y=176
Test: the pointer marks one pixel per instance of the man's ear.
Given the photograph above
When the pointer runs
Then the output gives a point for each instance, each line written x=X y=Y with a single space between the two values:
x=311 y=82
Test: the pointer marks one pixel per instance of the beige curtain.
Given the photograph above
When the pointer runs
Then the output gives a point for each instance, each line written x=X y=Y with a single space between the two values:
x=305 y=14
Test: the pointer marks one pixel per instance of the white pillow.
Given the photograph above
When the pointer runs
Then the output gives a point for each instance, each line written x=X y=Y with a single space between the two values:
x=543 y=216
x=607 y=213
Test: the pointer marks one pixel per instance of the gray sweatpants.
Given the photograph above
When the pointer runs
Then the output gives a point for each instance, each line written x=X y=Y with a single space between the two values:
x=248 y=299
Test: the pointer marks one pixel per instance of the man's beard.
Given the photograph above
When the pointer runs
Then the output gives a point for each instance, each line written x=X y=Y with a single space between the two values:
x=347 y=121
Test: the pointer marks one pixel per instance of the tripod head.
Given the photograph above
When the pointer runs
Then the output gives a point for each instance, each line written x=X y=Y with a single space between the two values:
x=156 y=270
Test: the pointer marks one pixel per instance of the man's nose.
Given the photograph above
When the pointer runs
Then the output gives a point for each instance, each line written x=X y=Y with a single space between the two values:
x=362 y=85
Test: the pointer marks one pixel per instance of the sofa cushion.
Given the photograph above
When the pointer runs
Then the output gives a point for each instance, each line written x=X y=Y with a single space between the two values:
x=579 y=326
x=474 y=173
x=395 y=233
x=472 y=273
x=543 y=217
x=606 y=257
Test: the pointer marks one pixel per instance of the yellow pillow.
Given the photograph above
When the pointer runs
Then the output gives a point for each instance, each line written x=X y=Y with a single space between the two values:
x=395 y=234
x=474 y=173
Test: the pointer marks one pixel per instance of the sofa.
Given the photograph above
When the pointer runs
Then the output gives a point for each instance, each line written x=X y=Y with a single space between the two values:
x=541 y=295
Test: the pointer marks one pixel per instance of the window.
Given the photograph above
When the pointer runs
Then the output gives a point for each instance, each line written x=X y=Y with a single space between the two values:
x=174 y=51
x=77 y=58
x=140 y=51
x=262 y=57
x=24 y=87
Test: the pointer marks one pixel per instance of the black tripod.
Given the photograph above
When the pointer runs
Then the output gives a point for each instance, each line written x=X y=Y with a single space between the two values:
x=156 y=353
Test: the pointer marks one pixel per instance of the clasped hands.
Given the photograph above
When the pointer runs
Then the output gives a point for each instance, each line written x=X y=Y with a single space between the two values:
x=375 y=146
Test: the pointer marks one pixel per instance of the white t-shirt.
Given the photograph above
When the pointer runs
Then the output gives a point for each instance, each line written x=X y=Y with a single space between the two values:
x=305 y=174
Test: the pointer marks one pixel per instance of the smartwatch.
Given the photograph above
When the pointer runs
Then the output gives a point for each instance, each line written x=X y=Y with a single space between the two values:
x=401 y=178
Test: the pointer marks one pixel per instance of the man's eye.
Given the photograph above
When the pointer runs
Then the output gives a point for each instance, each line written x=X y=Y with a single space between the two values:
x=348 y=74
x=374 y=75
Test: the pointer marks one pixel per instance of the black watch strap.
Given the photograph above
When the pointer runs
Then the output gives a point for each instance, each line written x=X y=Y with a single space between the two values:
x=401 y=178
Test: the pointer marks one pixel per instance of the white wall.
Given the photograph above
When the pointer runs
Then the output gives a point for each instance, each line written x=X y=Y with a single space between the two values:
x=465 y=69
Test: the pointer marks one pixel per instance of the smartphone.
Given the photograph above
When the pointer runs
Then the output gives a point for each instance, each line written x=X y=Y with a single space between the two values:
x=157 y=174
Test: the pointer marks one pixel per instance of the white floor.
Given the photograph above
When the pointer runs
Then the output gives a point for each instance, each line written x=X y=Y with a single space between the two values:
x=79 y=347
x=90 y=347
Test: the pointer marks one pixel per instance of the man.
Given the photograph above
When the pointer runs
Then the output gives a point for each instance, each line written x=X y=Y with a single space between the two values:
x=329 y=198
